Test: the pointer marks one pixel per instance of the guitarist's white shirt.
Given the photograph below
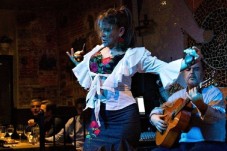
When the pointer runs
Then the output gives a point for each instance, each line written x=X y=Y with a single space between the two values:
x=209 y=127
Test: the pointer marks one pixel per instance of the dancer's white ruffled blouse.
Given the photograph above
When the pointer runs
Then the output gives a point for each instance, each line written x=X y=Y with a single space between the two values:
x=114 y=89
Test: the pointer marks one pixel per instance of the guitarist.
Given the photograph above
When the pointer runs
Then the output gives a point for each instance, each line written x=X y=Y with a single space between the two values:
x=206 y=129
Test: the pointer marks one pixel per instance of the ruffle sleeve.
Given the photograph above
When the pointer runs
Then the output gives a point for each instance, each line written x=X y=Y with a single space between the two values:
x=170 y=72
x=82 y=71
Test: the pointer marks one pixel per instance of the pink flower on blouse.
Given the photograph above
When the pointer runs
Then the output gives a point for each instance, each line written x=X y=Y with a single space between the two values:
x=94 y=67
x=106 y=60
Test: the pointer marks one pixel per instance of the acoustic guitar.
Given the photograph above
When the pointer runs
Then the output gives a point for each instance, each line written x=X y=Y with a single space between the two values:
x=177 y=118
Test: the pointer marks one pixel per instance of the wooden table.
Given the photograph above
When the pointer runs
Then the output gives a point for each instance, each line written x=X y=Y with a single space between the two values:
x=25 y=146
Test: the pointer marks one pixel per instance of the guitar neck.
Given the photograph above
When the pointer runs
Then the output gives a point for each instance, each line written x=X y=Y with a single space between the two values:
x=181 y=107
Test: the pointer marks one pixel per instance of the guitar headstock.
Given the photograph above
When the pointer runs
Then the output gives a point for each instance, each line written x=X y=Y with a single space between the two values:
x=208 y=82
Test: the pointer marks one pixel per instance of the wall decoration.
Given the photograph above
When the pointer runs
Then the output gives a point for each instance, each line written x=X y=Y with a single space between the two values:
x=7 y=32
x=5 y=45
x=212 y=16
x=37 y=57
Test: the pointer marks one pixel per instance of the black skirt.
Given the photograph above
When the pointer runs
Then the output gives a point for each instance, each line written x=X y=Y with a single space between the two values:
x=119 y=131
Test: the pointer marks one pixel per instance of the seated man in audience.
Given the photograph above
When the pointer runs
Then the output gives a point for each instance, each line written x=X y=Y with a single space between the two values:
x=35 y=109
x=73 y=126
x=206 y=128
x=52 y=124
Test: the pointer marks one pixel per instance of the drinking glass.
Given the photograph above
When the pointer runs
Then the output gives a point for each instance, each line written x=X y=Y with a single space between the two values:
x=10 y=130
x=2 y=132
x=35 y=132
x=20 y=130
x=28 y=133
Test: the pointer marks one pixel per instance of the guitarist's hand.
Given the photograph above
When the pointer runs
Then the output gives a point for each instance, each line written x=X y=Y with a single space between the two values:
x=158 y=122
x=197 y=99
x=194 y=95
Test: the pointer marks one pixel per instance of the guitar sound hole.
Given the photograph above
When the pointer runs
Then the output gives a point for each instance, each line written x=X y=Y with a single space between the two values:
x=173 y=115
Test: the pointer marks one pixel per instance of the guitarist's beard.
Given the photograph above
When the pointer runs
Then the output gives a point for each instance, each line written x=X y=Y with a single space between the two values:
x=193 y=82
